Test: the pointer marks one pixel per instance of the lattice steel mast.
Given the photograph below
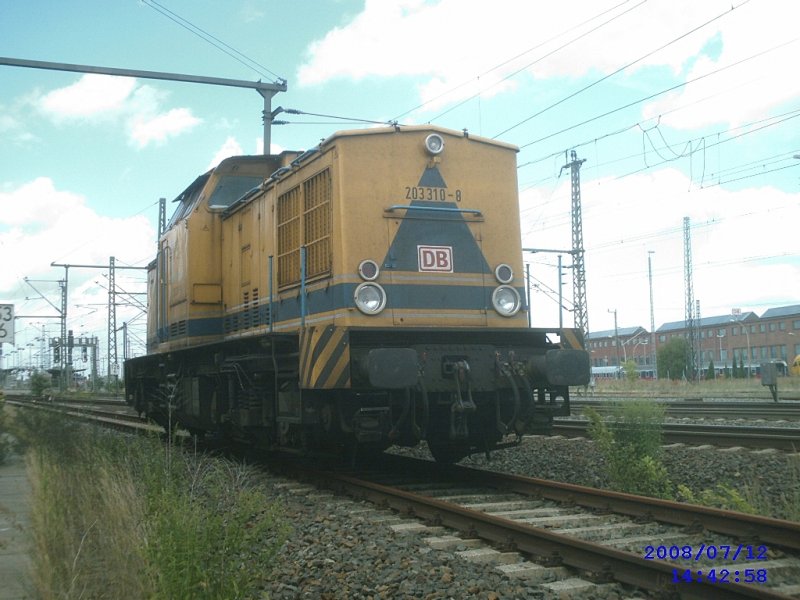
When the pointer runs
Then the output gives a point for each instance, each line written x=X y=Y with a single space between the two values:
x=691 y=358
x=578 y=269
x=113 y=365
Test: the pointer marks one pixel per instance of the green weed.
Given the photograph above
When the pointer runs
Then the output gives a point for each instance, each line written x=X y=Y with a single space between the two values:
x=630 y=442
x=117 y=516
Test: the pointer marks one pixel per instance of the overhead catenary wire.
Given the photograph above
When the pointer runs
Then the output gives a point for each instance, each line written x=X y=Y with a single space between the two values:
x=213 y=40
x=513 y=58
x=541 y=58
x=746 y=129
x=661 y=92
x=622 y=68
x=352 y=120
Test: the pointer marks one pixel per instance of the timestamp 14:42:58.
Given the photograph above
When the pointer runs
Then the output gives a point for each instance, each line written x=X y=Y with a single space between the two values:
x=720 y=576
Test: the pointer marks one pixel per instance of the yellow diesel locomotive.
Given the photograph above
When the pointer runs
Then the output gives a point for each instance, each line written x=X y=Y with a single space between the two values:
x=364 y=293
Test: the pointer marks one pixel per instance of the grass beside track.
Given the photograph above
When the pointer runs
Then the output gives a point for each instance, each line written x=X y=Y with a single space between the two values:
x=116 y=516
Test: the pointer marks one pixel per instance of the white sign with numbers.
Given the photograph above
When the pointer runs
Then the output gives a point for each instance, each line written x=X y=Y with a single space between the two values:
x=7 y=324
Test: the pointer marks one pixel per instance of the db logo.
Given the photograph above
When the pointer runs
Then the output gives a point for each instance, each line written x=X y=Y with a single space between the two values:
x=435 y=258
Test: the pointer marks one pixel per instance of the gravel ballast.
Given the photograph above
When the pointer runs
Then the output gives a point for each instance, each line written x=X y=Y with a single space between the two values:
x=346 y=549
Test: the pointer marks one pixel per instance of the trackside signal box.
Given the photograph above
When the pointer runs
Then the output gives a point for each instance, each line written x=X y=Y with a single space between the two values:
x=769 y=377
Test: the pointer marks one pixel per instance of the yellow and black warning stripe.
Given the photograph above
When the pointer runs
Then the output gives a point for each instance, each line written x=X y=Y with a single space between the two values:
x=324 y=357
x=572 y=338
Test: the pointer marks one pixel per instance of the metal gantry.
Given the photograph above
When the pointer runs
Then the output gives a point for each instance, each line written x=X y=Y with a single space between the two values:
x=112 y=366
x=265 y=90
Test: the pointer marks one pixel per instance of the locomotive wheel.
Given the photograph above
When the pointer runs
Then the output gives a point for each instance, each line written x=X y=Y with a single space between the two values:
x=447 y=453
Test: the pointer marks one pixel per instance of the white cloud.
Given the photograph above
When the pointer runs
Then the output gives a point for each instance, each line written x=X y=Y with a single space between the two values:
x=757 y=81
x=741 y=241
x=91 y=96
x=445 y=45
x=102 y=98
x=40 y=224
x=145 y=130
x=230 y=148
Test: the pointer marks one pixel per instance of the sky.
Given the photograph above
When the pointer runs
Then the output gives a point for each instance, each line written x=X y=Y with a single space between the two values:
x=679 y=108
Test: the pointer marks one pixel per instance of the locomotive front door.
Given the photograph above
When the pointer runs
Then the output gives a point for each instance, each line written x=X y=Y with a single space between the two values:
x=435 y=266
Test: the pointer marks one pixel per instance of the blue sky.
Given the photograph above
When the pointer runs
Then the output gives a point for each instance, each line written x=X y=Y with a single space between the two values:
x=680 y=108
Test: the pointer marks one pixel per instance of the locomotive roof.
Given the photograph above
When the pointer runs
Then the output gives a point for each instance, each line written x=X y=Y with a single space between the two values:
x=413 y=128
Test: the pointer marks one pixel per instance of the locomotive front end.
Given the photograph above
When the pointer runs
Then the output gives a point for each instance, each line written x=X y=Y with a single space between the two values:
x=433 y=342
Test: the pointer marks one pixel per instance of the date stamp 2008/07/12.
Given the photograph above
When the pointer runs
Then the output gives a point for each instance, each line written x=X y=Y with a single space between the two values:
x=712 y=552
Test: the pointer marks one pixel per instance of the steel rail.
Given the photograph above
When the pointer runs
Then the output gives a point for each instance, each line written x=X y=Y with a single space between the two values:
x=610 y=563
x=777 y=532
x=779 y=438
x=693 y=408
x=121 y=422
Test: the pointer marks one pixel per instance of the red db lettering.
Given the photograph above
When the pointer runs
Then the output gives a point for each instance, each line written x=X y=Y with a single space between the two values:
x=435 y=258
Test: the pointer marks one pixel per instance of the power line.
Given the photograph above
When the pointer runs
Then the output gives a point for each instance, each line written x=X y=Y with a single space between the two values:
x=620 y=69
x=521 y=54
x=558 y=153
x=352 y=120
x=762 y=124
x=562 y=218
x=541 y=58
x=661 y=92
x=213 y=40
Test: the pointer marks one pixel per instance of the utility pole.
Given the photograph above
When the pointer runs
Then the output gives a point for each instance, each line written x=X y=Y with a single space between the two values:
x=616 y=340
x=698 y=352
x=560 y=296
x=560 y=285
x=652 y=315
x=113 y=366
x=579 y=270
x=689 y=323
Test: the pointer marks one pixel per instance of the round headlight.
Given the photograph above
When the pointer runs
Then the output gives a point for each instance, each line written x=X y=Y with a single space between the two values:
x=434 y=144
x=506 y=301
x=504 y=273
x=370 y=298
x=368 y=270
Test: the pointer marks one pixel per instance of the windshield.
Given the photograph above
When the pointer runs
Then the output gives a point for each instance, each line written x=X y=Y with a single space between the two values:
x=230 y=188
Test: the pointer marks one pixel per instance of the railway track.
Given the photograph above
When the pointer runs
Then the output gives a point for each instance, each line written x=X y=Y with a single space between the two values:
x=724 y=436
x=769 y=411
x=581 y=537
x=536 y=528
x=122 y=418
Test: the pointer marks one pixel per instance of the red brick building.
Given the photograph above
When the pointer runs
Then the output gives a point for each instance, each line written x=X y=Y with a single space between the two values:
x=744 y=337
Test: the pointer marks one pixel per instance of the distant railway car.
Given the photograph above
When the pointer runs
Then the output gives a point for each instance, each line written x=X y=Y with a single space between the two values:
x=366 y=292
x=608 y=372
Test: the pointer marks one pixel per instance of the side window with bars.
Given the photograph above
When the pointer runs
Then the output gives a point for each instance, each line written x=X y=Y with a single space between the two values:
x=304 y=218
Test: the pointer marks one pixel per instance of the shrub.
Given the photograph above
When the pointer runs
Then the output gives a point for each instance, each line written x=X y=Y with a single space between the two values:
x=630 y=442
x=40 y=384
